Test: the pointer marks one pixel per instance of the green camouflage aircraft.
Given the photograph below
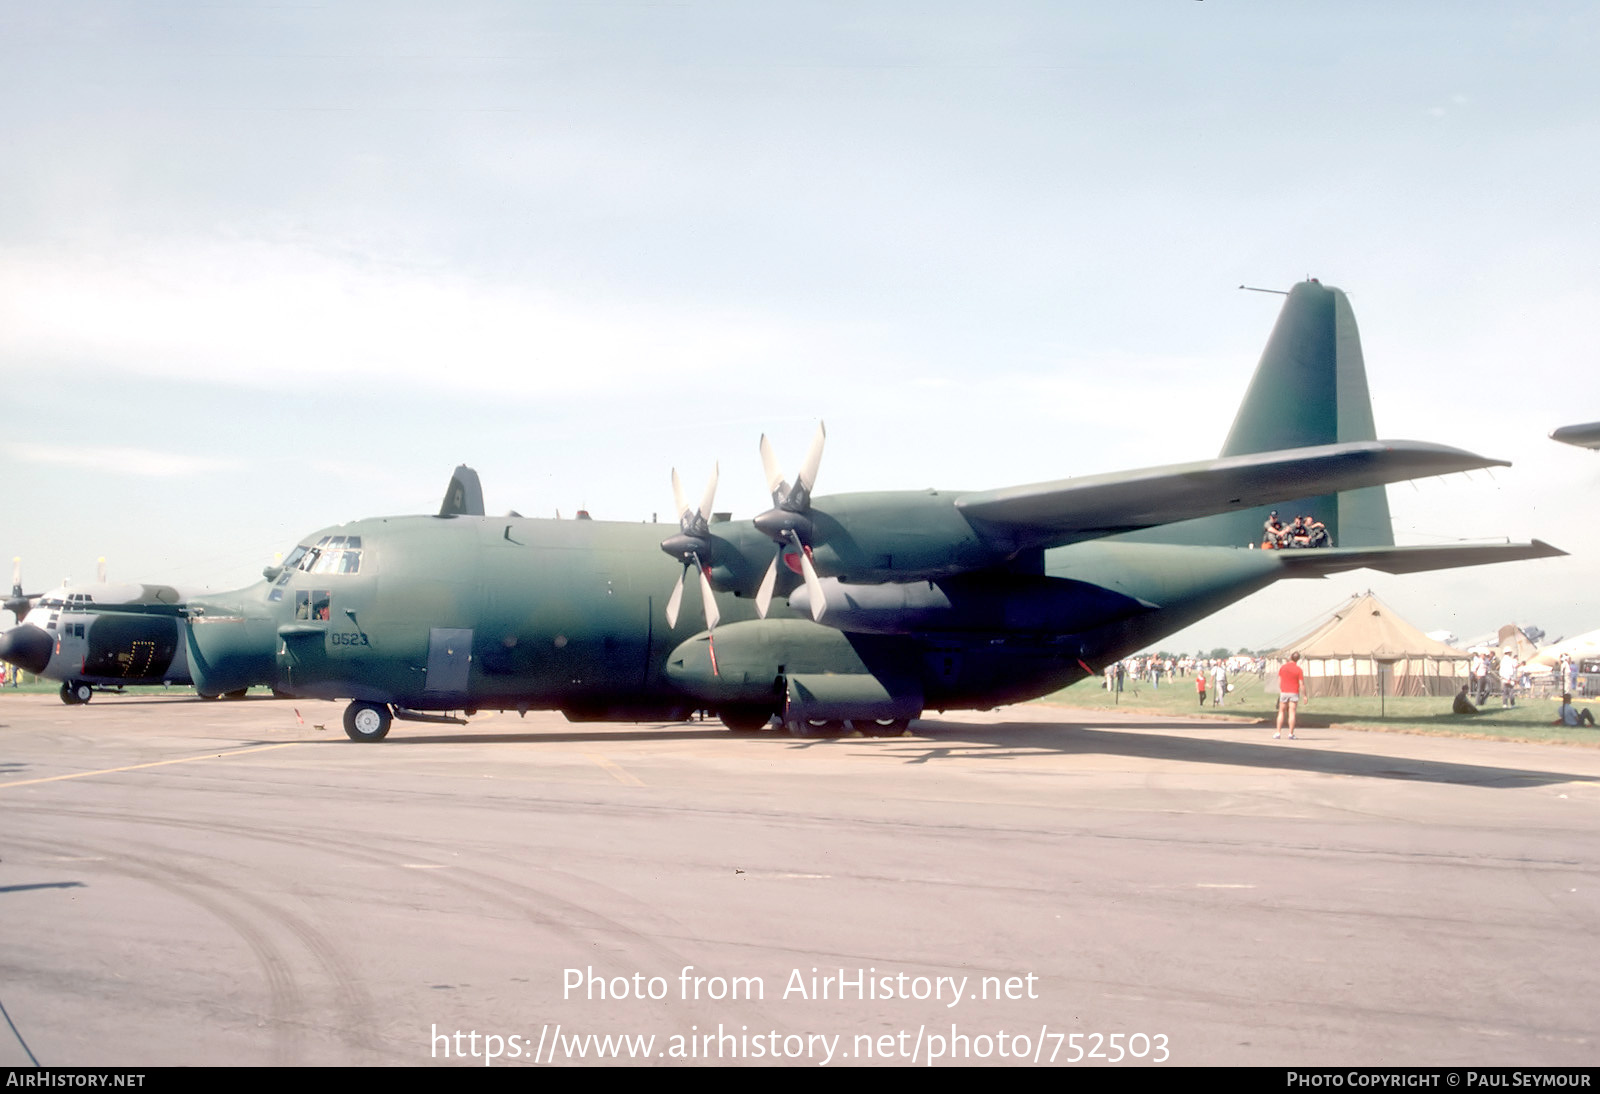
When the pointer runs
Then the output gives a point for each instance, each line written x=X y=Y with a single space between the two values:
x=896 y=602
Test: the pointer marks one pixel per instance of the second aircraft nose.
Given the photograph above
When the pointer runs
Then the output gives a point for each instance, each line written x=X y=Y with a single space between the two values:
x=27 y=647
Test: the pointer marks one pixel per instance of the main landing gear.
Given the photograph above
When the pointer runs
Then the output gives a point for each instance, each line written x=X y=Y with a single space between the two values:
x=865 y=727
x=364 y=721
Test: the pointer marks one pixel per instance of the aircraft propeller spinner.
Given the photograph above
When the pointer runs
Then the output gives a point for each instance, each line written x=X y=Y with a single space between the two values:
x=692 y=545
x=788 y=522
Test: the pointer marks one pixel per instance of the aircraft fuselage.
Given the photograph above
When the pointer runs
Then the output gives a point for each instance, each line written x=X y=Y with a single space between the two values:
x=468 y=613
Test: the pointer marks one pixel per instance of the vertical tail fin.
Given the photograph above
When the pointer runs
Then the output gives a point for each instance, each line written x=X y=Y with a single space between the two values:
x=464 y=496
x=1309 y=389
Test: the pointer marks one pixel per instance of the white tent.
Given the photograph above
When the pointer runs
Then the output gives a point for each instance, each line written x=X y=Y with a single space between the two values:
x=1346 y=654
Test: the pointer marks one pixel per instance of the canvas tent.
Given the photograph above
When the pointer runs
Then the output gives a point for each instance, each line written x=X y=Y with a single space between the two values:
x=1345 y=654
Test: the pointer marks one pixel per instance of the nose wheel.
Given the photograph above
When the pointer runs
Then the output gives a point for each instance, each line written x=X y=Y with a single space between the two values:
x=365 y=721
x=74 y=692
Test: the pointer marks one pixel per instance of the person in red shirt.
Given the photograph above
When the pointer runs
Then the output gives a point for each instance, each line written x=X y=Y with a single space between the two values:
x=1200 y=686
x=1289 y=678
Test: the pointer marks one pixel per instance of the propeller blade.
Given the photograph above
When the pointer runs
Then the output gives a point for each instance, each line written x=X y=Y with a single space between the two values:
x=769 y=462
x=768 y=583
x=819 y=603
x=676 y=599
x=100 y=570
x=808 y=470
x=813 y=585
x=710 y=495
x=712 y=614
x=16 y=575
x=682 y=509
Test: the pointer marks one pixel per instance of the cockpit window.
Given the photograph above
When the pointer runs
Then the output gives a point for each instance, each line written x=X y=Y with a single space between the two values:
x=331 y=555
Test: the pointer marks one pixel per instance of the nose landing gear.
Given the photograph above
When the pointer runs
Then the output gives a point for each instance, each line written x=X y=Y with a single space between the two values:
x=365 y=721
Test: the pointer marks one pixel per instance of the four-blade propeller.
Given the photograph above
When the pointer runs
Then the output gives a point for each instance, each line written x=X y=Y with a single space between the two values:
x=19 y=603
x=693 y=546
x=788 y=522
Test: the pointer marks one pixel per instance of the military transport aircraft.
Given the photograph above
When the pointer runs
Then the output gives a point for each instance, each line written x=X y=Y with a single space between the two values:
x=96 y=636
x=109 y=636
x=895 y=602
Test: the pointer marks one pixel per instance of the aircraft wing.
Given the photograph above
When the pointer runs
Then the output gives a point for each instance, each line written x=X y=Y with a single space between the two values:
x=1053 y=514
x=1411 y=560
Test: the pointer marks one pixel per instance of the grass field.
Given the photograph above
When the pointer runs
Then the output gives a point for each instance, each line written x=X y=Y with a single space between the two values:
x=1529 y=720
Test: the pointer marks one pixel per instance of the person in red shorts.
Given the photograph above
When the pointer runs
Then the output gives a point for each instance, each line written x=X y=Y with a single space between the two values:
x=1289 y=678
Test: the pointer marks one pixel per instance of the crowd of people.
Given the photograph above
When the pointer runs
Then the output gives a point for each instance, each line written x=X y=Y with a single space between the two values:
x=1304 y=531
x=1213 y=676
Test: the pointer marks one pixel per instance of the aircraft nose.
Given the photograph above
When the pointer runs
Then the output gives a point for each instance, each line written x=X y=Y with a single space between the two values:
x=27 y=647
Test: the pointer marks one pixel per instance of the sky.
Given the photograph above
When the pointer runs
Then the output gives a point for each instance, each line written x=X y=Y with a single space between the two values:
x=269 y=267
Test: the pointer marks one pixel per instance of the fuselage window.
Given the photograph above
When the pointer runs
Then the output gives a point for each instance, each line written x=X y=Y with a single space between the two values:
x=313 y=603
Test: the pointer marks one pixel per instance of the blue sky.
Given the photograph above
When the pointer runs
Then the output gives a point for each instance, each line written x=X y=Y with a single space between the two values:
x=265 y=268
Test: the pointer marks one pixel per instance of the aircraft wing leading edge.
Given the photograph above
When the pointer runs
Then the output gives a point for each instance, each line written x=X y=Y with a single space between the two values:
x=1054 y=514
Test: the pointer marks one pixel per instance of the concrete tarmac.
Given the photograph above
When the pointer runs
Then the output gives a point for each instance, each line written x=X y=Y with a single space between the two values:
x=186 y=882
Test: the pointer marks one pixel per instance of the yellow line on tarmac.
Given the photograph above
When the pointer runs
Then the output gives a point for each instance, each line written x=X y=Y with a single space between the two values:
x=614 y=771
x=153 y=763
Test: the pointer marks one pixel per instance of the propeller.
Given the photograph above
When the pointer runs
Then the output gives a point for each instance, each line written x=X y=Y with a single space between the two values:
x=692 y=546
x=788 y=522
x=19 y=603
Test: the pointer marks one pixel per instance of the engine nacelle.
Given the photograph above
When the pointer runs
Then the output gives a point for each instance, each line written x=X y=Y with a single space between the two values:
x=747 y=662
x=999 y=603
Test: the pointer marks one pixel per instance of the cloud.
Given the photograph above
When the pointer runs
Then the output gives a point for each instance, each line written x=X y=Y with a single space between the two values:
x=137 y=462
x=269 y=314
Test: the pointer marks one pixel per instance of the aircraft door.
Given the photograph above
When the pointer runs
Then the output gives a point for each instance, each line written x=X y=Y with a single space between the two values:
x=449 y=659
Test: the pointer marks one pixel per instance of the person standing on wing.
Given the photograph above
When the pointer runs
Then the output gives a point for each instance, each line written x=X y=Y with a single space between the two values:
x=1289 y=678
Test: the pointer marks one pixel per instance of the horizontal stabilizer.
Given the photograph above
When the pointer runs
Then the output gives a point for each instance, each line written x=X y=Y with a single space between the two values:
x=1411 y=560
x=1053 y=514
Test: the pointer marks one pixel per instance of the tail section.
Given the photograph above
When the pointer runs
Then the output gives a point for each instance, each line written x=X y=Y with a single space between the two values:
x=464 y=496
x=1309 y=389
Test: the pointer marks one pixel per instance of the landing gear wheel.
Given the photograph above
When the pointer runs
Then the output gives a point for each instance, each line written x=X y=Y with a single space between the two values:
x=744 y=719
x=208 y=697
x=816 y=727
x=69 y=693
x=887 y=727
x=367 y=721
x=240 y=694
x=82 y=692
